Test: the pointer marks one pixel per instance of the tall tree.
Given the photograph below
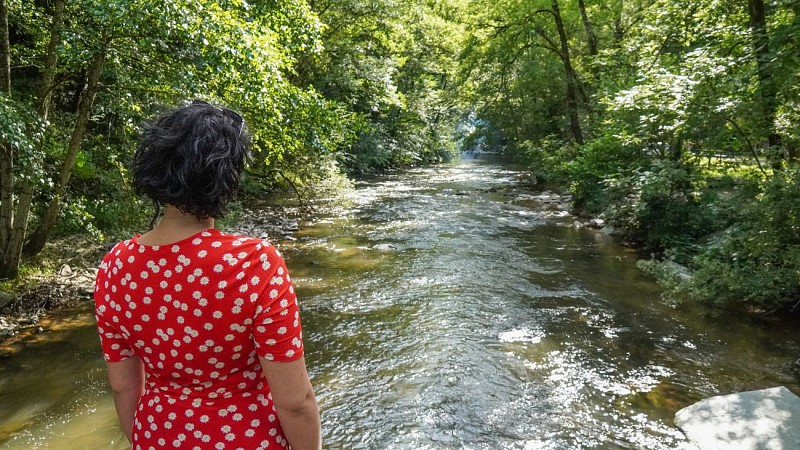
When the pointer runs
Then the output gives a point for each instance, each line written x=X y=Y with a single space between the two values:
x=51 y=60
x=15 y=197
x=767 y=88
x=5 y=50
x=6 y=154
x=572 y=77
x=39 y=237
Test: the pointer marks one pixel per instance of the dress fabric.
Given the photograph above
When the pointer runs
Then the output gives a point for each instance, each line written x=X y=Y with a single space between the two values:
x=198 y=313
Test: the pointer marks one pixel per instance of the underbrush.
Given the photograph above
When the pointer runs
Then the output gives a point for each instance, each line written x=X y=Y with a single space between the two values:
x=721 y=232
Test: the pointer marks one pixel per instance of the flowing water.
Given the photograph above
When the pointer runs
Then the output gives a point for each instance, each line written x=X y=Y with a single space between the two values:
x=490 y=325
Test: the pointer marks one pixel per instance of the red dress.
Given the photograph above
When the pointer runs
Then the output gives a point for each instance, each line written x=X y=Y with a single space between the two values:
x=198 y=313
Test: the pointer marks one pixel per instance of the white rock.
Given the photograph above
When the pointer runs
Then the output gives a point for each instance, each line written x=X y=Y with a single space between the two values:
x=597 y=223
x=768 y=419
x=65 y=271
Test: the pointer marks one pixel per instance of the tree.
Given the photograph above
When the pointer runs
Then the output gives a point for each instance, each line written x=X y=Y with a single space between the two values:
x=389 y=62
x=515 y=51
x=111 y=63
x=15 y=202
x=587 y=25
x=767 y=90
x=571 y=75
x=39 y=237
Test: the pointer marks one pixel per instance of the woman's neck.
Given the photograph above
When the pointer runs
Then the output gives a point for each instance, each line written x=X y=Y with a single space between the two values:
x=175 y=226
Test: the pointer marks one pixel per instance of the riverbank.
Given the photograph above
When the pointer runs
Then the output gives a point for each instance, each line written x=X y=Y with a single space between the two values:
x=62 y=276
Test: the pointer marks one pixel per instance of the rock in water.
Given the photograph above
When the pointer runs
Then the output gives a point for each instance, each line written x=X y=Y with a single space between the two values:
x=597 y=223
x=768 y=419
x=384 y=247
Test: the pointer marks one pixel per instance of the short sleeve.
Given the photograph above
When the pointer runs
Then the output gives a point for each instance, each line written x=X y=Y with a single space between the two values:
x=276 y=321
x=113 y=343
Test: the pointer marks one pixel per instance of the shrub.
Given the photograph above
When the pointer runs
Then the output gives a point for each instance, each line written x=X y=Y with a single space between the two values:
x=546 y=159
x=658 y=208
x=756 y=264
x=597 y=162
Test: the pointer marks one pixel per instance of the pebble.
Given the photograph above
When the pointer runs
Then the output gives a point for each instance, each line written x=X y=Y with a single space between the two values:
x=384 y=247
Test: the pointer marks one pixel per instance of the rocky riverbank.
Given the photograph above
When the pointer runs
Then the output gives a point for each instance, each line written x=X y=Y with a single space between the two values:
x=68 y=282
x=71 y=267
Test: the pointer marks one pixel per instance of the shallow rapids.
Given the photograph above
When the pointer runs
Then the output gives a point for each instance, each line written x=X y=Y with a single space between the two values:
x=485 y=322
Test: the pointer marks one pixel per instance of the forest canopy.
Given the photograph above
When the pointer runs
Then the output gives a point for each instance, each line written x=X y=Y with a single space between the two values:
x=675 y=120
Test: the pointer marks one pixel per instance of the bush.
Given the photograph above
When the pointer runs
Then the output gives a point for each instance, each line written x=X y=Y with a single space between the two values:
x=756 y=264
x=597 y=162
x=659 y=208
x=546 y=159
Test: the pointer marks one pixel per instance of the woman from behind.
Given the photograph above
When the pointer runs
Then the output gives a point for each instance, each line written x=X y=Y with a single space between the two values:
x=200 y=329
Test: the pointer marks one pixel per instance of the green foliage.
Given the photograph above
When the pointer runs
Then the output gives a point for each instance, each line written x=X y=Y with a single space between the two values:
x=76 y=219
x=547 y=159
x=659 y=208
x=755 y=263
x=389 y=63
x=22 y=131
x=512 y=76
x=604 y=160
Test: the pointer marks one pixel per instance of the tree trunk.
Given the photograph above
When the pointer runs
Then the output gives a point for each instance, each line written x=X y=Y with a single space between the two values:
x=6 y=194
x=5 y=50
x=572 y=78
x=590 y=36
x=51 y=59
x=9 y=262
x=767 y=89
x=9 y=267
x=39 y=237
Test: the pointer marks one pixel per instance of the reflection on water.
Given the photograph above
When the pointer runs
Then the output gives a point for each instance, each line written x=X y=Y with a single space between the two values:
x=53 y=392
x=491 y=326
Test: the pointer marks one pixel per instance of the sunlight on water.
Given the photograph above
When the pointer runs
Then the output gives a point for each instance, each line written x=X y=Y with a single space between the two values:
x=441 y=313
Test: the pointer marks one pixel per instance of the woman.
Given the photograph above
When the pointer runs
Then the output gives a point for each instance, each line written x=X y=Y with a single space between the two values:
x=200 y=329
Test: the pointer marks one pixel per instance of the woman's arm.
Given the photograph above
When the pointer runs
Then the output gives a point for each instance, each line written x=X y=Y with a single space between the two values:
x=295 y=403
x=127 y=384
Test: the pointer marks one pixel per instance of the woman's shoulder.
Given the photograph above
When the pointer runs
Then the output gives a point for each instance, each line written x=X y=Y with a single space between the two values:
x=121 y=247
x=116 y=253
x=238 y=244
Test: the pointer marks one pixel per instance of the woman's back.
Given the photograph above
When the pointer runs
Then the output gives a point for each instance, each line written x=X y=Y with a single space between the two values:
x=199 y=312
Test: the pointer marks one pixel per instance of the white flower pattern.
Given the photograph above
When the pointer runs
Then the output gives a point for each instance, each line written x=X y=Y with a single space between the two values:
x=199 y=339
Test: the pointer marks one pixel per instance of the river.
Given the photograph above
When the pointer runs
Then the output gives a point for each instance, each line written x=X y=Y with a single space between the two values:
x=491 y=325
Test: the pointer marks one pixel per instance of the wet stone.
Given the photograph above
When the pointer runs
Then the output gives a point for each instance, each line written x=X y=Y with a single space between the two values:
x=597 y=223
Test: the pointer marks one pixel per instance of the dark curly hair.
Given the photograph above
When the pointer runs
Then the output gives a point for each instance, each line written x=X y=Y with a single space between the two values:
x=192 y=158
